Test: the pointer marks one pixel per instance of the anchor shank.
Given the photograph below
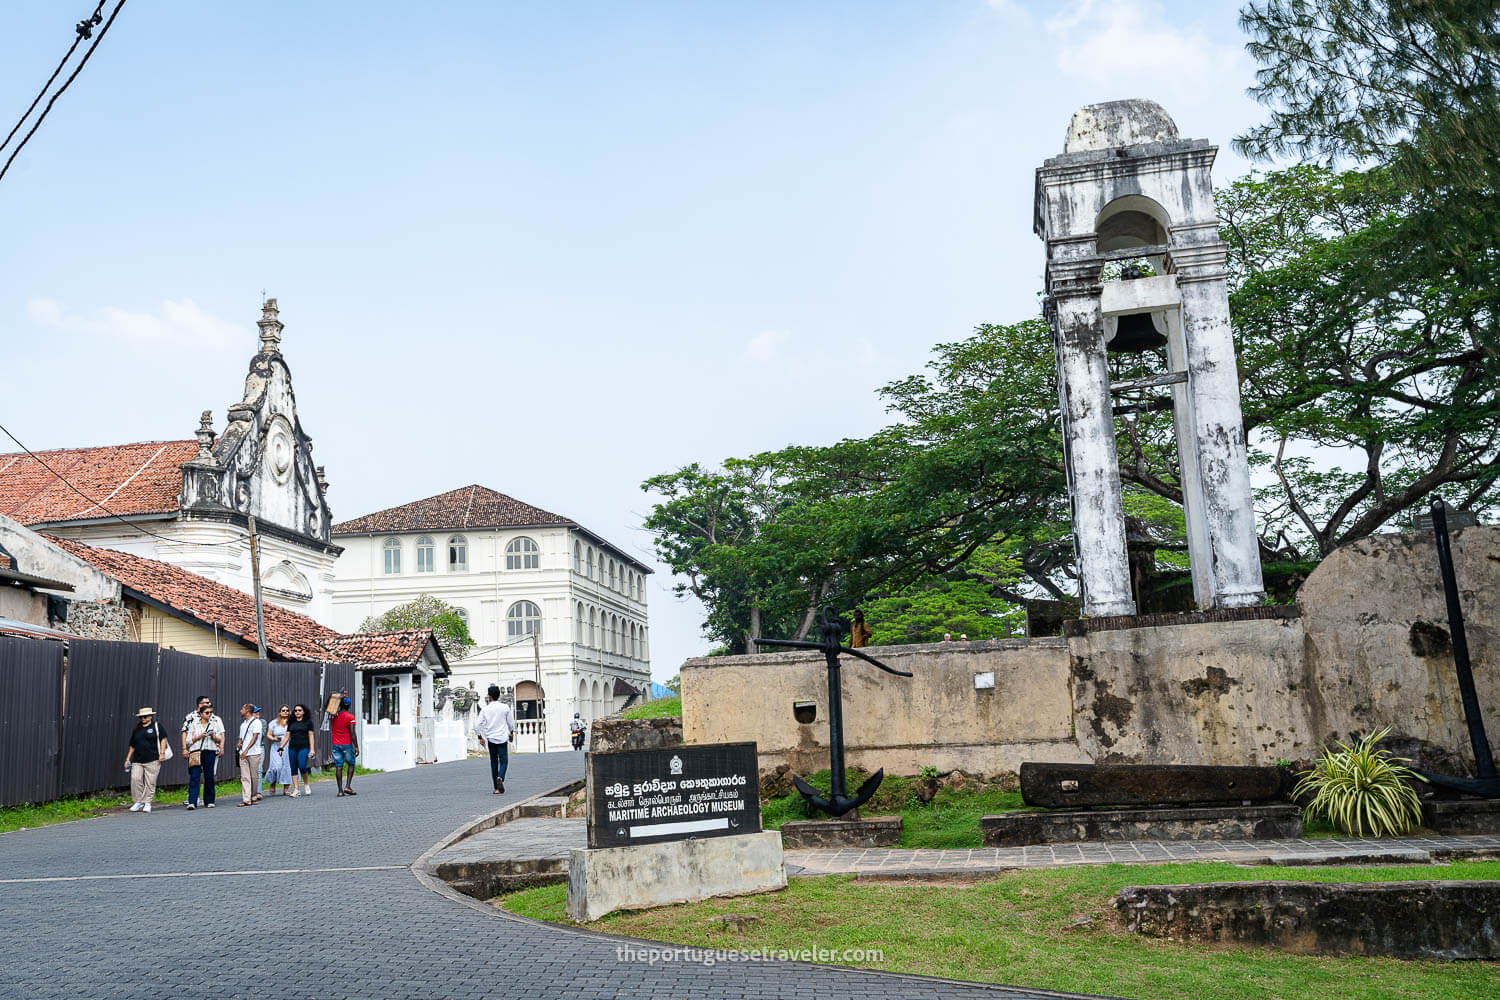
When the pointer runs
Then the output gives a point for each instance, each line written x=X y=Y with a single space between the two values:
x=835 y=725
x=1484 y=762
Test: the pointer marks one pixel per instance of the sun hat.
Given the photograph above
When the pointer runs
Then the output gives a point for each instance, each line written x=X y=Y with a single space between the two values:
x=144 y=711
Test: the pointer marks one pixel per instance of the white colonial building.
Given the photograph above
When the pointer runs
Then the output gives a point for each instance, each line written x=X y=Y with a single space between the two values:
x=557 y=613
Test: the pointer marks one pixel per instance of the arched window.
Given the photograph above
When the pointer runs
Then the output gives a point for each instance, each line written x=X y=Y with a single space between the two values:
x=614 y=633
x=592 y=623
x=463 y=616
x=522 y=553
x=523 y=618
x=392 y=550
x=591 y=564
x=634 y=646
x=578 y=634
x=613 y=584
x=578 y=557
x=426 y=563
x=458 y=554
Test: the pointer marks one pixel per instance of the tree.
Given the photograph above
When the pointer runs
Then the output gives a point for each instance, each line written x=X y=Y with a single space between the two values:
x=447 y=623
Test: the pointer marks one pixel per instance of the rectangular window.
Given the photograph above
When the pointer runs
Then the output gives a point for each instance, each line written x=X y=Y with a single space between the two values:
x=388 y=699
x=392 y=561
x=424 y=559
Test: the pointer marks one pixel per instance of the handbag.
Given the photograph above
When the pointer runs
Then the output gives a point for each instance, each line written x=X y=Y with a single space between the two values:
x=195 y=757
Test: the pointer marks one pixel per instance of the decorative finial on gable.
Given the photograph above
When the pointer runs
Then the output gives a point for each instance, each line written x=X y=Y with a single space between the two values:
x=205 y=435
x=322 y=480
x=270 y=328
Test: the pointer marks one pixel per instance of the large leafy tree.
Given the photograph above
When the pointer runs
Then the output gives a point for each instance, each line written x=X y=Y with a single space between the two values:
x=447 y=624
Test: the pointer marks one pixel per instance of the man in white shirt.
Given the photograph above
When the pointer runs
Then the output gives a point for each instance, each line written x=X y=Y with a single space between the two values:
x=247 y=749
x=495 y=728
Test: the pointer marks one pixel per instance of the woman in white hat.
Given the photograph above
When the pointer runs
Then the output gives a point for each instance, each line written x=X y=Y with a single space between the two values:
x=148 y=748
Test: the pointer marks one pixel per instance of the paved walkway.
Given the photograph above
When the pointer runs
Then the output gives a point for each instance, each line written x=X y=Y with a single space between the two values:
x=315 y=898
x=902 y=861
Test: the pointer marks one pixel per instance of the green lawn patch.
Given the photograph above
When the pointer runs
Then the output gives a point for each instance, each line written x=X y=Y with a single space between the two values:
x=1017 y=928
x=655 y=709
x=24 y=817
x=950 y=819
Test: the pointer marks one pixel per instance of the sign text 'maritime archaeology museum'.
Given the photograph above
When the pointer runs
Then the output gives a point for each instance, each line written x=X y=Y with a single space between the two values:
x=647 y=796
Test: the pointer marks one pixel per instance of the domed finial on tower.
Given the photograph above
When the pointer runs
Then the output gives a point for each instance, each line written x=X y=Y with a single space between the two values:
x=270 y=328
x=1114 y=124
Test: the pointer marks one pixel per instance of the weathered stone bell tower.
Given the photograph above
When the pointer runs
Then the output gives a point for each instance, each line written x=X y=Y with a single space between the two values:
x=1127 y=188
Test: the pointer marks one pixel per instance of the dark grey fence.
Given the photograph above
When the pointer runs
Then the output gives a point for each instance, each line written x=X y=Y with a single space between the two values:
x=65 y=716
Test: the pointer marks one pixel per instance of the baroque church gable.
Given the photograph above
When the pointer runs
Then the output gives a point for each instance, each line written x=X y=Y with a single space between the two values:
x=261 y=465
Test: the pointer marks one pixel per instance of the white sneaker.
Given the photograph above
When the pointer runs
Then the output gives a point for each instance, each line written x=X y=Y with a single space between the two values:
x=136 y=807
x=307 y=790
x=294 y=794
x=146 y=807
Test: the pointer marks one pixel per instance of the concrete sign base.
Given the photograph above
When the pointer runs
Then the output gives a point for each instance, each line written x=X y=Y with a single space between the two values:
x=681 y=871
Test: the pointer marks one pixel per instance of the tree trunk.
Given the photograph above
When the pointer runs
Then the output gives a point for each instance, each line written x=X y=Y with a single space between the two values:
x=753 y=632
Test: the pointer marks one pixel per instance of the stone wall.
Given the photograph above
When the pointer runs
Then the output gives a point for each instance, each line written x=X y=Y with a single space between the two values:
x=98 y=620
x=941 y=716
x=1370 y=648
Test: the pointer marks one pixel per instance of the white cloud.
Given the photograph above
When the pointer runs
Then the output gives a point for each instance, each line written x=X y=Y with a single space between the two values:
x=179 y=321
x=765 y=346
x=1132 y=48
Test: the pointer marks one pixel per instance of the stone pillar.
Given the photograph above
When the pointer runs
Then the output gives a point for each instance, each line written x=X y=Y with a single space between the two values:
x=1089 y=441
x=1229 y=576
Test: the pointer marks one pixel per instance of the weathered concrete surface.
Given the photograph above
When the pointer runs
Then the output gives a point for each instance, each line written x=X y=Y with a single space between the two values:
x=1377 y=646
x=1018 y=829
x=1222 y=693
x=1439 y=919
x=870 y=831
x=1251 y=686
x=606 y=879
x=1462 y=816
x=514 y=855
x=937 y=717
x=1073 y=786
x=618 y=735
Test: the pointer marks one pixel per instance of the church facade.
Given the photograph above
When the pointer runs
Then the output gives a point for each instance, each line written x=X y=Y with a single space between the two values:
x=189 y=502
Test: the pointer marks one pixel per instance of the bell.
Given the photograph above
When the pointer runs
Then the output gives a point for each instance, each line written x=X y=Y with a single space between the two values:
x=1135 y=334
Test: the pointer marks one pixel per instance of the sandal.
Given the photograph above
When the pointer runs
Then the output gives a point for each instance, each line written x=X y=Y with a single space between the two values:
x=242 y=805
x=348 y=791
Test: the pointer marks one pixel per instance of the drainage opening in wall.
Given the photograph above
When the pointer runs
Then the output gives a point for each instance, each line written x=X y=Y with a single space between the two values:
x=805 y=711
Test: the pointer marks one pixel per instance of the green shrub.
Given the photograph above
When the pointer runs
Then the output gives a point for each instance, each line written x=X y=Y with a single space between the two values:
x=1361 y=790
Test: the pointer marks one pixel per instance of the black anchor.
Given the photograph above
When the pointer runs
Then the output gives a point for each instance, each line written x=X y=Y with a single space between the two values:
x=829 y=630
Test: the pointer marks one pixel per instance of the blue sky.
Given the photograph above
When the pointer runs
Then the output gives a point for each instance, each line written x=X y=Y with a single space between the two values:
x=553 y=248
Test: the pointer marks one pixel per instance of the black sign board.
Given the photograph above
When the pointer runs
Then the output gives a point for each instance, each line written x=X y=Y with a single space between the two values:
x=649 y=796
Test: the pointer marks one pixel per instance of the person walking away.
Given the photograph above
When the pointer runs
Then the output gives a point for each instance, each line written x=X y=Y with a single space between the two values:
x=278 y=764
x=301 y=748
x=495 y=728
x=247 y=752
x=344 y=740
x=148 y=747
x=577 y=727
x=202 y=743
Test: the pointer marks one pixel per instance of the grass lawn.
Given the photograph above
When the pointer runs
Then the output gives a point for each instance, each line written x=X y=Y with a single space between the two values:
x=951 y=819
x=655 y=709
x=88 y=806
x=1016 y=929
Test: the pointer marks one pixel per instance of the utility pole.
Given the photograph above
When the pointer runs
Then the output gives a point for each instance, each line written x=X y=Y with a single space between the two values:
x=260 y=607
x=541 y=701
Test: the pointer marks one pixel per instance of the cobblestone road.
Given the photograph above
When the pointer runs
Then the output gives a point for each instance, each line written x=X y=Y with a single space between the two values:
x=233 y=902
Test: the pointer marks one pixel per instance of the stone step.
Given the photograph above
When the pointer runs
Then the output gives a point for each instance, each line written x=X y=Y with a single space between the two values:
x=545 y=807
x=1082 y=826
x=1346 y=856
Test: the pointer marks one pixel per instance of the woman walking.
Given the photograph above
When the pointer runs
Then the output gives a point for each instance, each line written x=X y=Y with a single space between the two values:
x=148 y=748
x=301 y=748
x=278 y=764
x=202 y=742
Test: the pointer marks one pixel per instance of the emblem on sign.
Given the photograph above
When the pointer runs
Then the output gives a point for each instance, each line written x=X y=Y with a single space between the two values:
x=675 y=764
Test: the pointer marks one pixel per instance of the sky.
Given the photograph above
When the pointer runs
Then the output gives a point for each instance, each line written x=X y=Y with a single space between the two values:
x=551 y=248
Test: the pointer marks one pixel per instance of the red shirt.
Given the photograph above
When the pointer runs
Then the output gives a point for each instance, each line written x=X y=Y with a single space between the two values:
x=339 y=729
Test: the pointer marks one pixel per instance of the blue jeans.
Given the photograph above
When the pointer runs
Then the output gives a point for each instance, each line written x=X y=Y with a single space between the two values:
x=203 y=774
x=499 y=757
x=343 y=755
x=299 y=761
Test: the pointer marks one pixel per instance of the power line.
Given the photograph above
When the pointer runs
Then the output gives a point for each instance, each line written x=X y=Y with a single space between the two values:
x=84 y=29
x=133 y=524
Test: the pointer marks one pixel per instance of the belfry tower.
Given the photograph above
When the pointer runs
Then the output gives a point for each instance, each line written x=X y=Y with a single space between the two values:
x=1127 y=189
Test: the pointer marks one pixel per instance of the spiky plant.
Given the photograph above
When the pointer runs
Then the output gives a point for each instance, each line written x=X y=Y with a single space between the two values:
x=1362 y=790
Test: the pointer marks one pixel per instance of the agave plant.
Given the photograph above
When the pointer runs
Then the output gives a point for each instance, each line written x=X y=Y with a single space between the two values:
x=1362 y=790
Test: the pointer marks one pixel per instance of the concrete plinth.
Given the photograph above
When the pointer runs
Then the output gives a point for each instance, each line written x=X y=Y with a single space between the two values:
x=872 y=831
x=1019 y=829
x=1461 y=816
x=606 y=879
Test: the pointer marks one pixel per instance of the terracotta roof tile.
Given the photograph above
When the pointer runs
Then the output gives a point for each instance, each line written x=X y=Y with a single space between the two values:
x=288 y=634
x=141 y=478
x=466 y=507
x=402 y=647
